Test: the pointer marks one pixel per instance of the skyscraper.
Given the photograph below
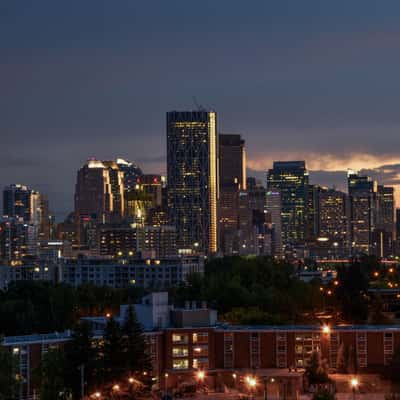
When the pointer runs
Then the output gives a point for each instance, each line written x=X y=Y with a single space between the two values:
x=17 y=202
x=116 y=177
x=273 y=207
x=384 y=233
x=232 y=180
x=333 y=219
x=290 y=179
x=232 y=161
x=192 y=169
x=93 y=198
x=131 y=173
x=362 y=195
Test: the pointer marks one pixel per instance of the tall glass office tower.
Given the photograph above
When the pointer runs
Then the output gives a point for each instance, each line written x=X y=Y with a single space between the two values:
x=192 y=177
x=290 y=179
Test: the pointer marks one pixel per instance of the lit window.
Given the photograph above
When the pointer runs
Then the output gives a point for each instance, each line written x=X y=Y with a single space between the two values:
x=180 y=351
x=180 y=338
x=180 y=364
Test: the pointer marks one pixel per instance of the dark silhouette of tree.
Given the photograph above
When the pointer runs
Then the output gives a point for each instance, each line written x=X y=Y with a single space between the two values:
x=341 y=363
x=52 y=376
x=81 y=353
x=112 y=357
x=317 y=369
x=134 y=344
x=377 y=315
x=9 y=382
x=352 y=292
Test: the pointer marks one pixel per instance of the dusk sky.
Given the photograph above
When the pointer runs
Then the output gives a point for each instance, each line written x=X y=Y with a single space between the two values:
x=314 y=80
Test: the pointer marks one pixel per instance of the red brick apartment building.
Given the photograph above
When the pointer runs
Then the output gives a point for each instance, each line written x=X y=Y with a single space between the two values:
x=191 y=340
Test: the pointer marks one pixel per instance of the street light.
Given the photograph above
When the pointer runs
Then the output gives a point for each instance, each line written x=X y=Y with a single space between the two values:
x=200 y=375
x=326 y=329
x=354 y=384
x=115 y=388
x=252 y=383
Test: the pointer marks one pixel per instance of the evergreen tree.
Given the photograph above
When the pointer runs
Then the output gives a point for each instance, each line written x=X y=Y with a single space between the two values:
x=112 y=359
x=81 y=354
x=8 y=375
x=52 y=376
x=317 y=369
x=351 y=360
x=135 y=347
x=341 y=363
x=377 y=316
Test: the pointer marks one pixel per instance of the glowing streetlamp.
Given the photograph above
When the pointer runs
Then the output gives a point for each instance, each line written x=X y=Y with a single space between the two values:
x=326 y=329
x=115 y=388
x=251 y=383
x=354 y=385
x=131 y=380
x=200 y=375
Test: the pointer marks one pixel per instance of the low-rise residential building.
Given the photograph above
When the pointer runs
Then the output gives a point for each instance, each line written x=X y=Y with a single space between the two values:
x=183 y=341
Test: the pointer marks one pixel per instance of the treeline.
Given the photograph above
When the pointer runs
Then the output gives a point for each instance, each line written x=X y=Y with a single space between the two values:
x=40 y=307
x=254 y=290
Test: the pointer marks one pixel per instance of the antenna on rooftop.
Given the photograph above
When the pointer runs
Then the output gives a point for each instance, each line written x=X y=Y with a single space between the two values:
x=198 y=106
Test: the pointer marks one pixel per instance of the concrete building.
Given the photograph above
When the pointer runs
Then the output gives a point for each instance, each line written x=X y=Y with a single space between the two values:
x=125 y=272
x=120 y=240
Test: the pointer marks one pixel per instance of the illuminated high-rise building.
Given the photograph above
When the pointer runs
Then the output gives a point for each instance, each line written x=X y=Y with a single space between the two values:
x=93 y=198
x=116 y=177
x=384 y=233
x=385 y=209
x=363 y=195
x=17 y=202
x=333 y=220
x=232 y=161
x=290 y=179
x=131 y=173
x=192 y=176
x=232 y=181
x=273 y=208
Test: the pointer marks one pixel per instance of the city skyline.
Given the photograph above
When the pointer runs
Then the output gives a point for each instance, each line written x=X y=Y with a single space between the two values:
x=315 y=82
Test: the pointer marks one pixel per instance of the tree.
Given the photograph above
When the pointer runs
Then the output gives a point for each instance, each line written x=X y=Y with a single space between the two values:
x=377 y=316
x=324 y=395
x=351 y=360
x=52 y=376
x=8 y=374
x=341 y=361
x=81 y=353
x=317 y=369
x=112 y=358
x=134 y=343
x=352 y=292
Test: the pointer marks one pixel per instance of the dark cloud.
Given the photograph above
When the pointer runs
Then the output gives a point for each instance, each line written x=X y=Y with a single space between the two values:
x=95 y=78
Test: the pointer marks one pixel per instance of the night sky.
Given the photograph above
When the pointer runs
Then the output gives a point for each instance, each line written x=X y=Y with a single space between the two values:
x=314 y=80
